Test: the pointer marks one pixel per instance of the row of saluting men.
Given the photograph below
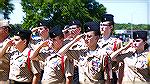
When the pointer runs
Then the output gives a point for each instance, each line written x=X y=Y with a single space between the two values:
x=95 y=56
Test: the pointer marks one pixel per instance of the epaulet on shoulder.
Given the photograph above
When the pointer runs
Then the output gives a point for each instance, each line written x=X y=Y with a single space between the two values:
x=6 y=40
x=147 y=52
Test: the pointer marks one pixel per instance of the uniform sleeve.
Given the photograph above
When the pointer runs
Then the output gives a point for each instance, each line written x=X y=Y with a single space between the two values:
x=35 y=67
x=121 y=57
x=7 y=57
x=43 y=55
x=73 y=54
x=8 y=54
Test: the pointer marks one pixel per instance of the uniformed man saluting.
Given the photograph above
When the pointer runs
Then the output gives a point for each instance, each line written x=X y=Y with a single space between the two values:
x=91 y=62
x=135 y=56
x=110 y=44
x=74 y=29
x=22 y=70
x=56 y=68
x=4 y=63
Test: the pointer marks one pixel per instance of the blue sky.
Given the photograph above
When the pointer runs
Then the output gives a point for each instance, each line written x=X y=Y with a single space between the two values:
x=18 y=14
x=129 y=11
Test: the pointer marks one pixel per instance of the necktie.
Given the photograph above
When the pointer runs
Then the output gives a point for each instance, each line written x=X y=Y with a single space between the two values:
x=115 y=46
x=62 y=63
x=28 y=60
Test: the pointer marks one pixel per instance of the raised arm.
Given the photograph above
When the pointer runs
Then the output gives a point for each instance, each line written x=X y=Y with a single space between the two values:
x=65 y=48
x=5 y=47
x=34 y=29
x=115 y=54
x=38 y=47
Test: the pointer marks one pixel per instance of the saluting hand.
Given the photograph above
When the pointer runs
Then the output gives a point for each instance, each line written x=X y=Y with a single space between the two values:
x=129 y=44
x=77 y=38
x=35 y=29
x=9 y=43
x=44 y=43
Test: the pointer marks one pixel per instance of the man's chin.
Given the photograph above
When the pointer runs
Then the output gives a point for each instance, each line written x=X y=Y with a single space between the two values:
x=135 y=47
x=102 y=32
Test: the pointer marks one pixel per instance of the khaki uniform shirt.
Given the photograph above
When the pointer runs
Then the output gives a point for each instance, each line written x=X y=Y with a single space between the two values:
x=35 y=41
x=79 y=45
x=91 y=66
x=109 y=43
x=53 y=69
x=4 y=67
x=136 y=68
x=108 y=46
x=19 y=66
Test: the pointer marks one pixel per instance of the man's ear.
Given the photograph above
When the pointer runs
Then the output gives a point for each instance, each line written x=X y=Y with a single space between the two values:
x=111 y=27
x=6 y=31
x=80 y=28
x=24 y=41
x=47 y=29
x=144 y=43
x=97 y=37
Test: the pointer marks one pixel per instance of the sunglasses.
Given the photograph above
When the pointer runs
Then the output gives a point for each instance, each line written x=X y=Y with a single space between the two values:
x=65 y=32
x=4 y=27
x=105 y=25
x=87 y=36
x=137 y=40
x=16 y=39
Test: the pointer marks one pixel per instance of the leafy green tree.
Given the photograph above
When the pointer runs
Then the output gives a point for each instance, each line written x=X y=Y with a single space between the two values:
x=130 y=26
x=61 y=11
x=15 y=28
x=6 y=8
